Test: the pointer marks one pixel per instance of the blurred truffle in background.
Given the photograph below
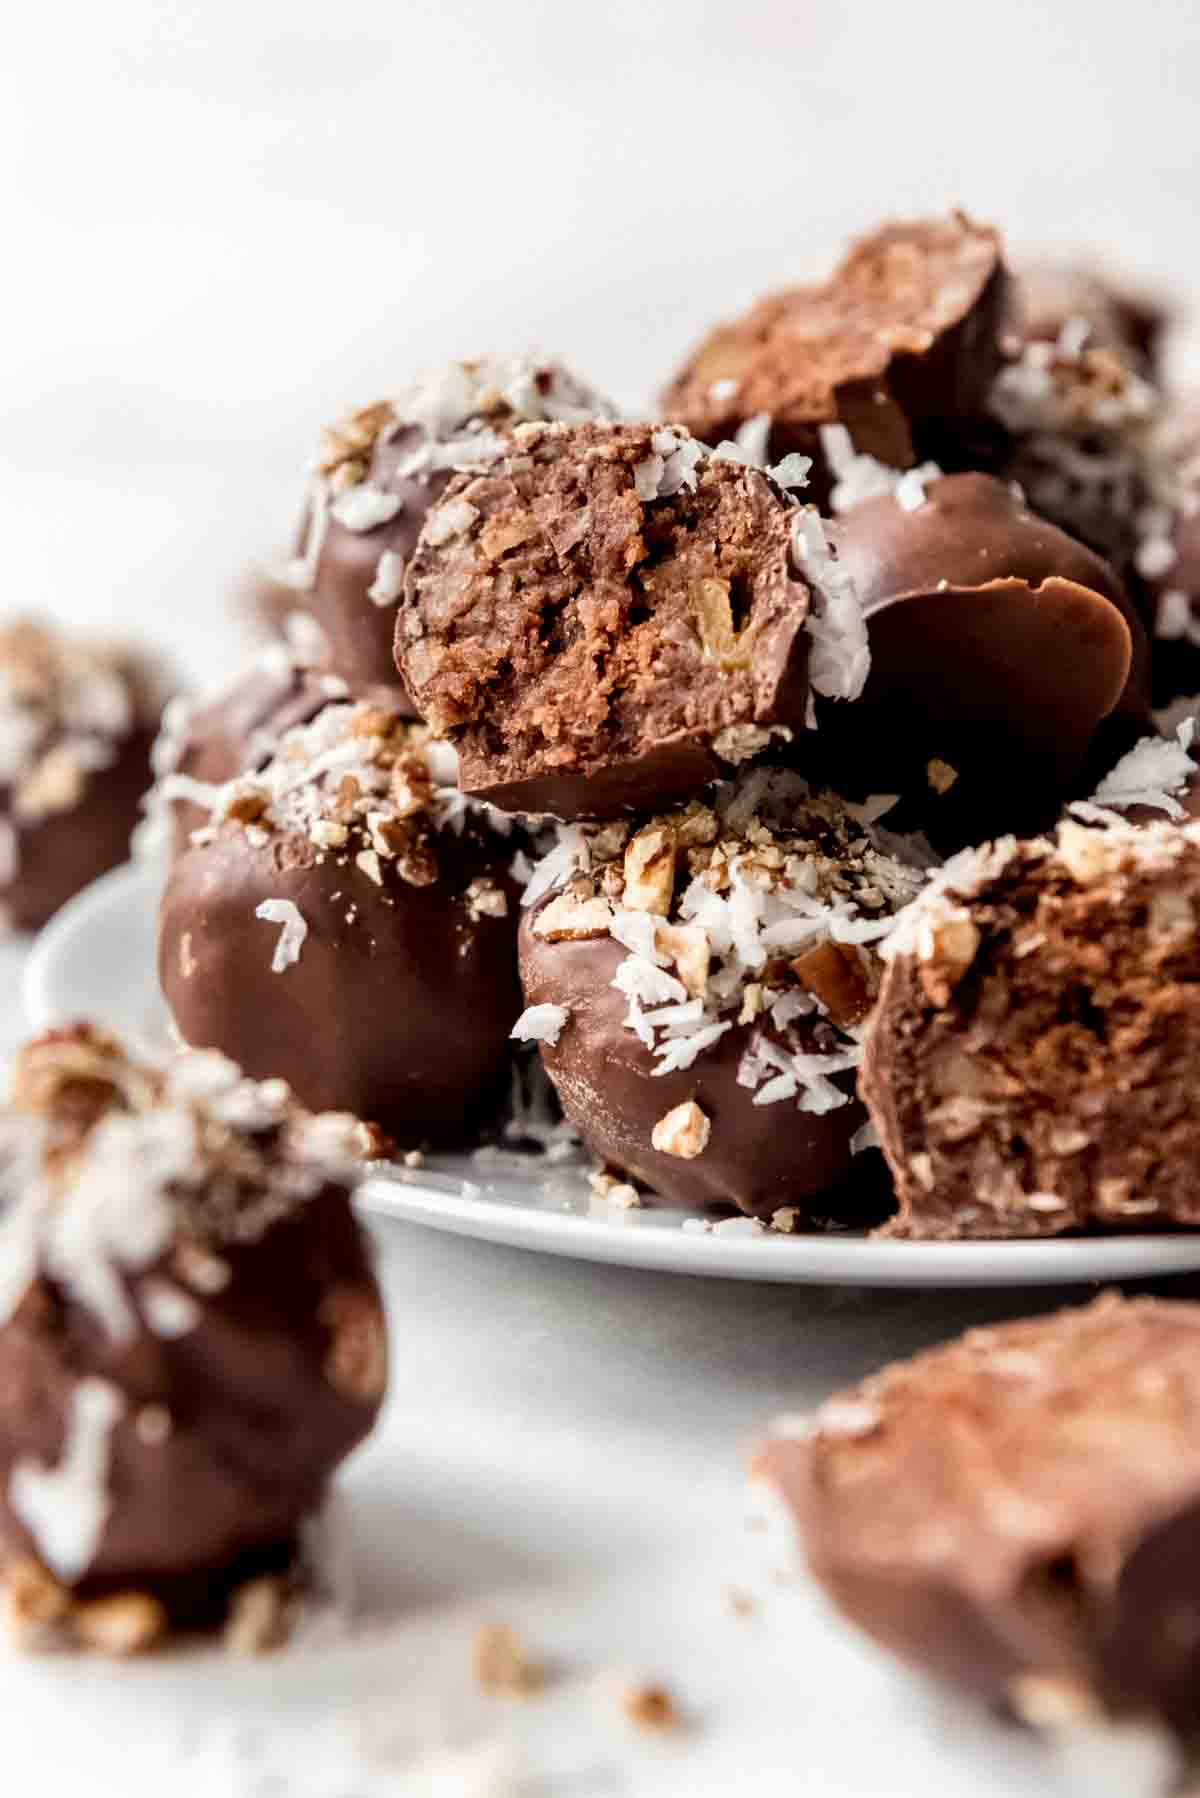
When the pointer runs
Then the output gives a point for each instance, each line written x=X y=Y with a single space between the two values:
x=77 y=723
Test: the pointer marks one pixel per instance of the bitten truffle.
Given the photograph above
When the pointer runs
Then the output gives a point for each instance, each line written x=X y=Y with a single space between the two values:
x=1018 y=1512
x=77 y=721
x=1001 y=648
x=347 y=922
x=900 y=346
x=191 y=1337
x=378 y=473
x=697 y=982
x=606 y=619
x=1029 y=1064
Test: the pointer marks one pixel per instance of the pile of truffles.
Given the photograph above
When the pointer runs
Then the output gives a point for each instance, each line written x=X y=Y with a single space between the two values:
x=646 y=742
x=191 y=1340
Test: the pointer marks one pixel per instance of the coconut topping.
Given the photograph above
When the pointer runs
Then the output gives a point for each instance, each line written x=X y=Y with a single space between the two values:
x=66 y=707
x=841 y=654
x=65 y=1508
x=757 y=908
x=540 y=1024
x=1153 y=774
x=459 y=417
x=859 y=477
x=359 y=783
x=287 y=914
x=938 y=930
x=1083 y=422
x=124 y=1182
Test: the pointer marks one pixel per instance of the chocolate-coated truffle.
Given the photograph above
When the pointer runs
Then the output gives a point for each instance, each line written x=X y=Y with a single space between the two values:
x=1070 y=303
x=697 y=982
x=204 y=743
x=1029 y=1064
x=1167 y=555
x=1080 y=422
x=378 y=473
x=604 y=619
x=191 y=1338
x=999 y=648
x=77 y=721
x=347 y=922
x=1018 y=1511
x=900 y=346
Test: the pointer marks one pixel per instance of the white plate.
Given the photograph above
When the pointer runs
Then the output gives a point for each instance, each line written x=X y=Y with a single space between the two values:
x=96 y=959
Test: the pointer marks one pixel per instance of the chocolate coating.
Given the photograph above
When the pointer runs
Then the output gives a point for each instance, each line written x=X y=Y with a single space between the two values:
x=1029 y=1063
x=227 y=1319
x=1018 y=1511
x=900 y=345
x=358 y=633
x=399 y=1004
x=77 y=723
x=999 y=645
x=604 y=619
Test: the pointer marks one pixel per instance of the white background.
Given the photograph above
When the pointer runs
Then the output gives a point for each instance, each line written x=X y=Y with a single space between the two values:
x=221 y=223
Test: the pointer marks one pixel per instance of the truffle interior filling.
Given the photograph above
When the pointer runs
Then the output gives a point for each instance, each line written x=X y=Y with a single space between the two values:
x=581 y=623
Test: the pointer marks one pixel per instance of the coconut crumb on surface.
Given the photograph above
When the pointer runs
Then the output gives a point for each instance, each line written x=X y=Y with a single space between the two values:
x=650 y=1707
x=500 y=1665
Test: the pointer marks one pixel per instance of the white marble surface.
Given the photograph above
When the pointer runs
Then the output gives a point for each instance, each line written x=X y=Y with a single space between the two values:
x=222 y=222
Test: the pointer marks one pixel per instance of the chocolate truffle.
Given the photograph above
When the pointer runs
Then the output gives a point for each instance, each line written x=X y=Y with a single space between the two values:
x=605 y=619
x=77 y=721
x=900 y=346
x=697 y=982
x=1029 y=1063
x=191 y=1337
x=205 y=743
x=1000 y=646
x=1018 y=1511
x=1080 y=421
x=347 y=922
x=378 y=473
x=1071 y=304
x=1167 y=555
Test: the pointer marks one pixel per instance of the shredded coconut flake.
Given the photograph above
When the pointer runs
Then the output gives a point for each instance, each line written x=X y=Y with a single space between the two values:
x=450 y=520
x=540 y=1024
x=363 y=508
x=65 y=1508
x=389 y=579
x=860 y=477
x=1152 y=774
x=294 y=930
x=841 y=654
